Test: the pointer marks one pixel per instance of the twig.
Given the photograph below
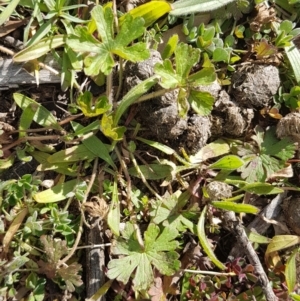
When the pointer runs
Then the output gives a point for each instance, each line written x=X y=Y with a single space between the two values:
x=246 y=245
x=94 y=246
x=143 y=178
x=271 y=211
x=208 y=272
x=7 y=51
x=259 y=225
x=33 y=138
x=42 y=65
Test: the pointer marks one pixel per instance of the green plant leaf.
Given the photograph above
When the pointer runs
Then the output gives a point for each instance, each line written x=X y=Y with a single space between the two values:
x=101 y=291
x=261 y=188
x=283 y=149
x=184 y=7
x=214 y=149
x=220 y=55
x=6 y=13
x=281 y=242
x=152 y=171
x=57 y=193
x=133 y=94
x=26 y=119
x=95 y=145
x=164 y=148
x=255 y=237
x=42 y=116
x=286 y=25
x=93 y=126
x=227 y=162
x=186 y=57
x=113 y=217
x=108 y=129
x=150 y=11
x=204 y=242
x=159 y=251
x=169 y=79
x=100 y=54
x=295 y=297
x=239 y=208
x=169 y=212
x=170 y=47
x=293 y=56
x=201 y=102
x=40 y=48
x=72 y=154
x=91 y=108
x=205 y=76
x=290 y=272
x=267 y=157
x=182 y=102
x=63 y=168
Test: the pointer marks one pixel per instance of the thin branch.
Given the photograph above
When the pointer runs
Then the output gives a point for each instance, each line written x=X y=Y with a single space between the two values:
x=246 y=245
x=143 y=178
x=208 y=273
x=94 y=246
x=33 y=138
x=42 y=65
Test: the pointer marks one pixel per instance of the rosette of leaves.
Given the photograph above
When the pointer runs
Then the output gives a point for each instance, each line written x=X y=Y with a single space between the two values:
x=265 y=156
x=100 y=52
x=55 y=249
x=189 y=93
x=138 y=257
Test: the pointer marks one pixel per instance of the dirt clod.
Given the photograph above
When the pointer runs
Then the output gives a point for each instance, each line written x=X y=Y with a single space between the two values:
x=218 y=190
x=197 y=133
x=253 y=87
x=234 y=120
x=291 y=210
x=289 y=126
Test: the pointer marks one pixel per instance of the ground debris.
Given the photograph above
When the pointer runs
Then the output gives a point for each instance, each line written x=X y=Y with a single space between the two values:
x=291 y=211
x=254 y=86
x=234 y=120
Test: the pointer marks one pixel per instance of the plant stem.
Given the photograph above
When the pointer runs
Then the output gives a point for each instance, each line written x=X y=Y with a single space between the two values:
x=34 y=138
x=209 y=273
x=128 y=183
x=80 y=229
x=94 y=246
x=153 y=95
x=143 y=178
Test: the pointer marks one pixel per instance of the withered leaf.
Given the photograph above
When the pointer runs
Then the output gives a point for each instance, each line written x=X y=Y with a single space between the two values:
x=54 y=248
x=70 y=275
x=263 y=49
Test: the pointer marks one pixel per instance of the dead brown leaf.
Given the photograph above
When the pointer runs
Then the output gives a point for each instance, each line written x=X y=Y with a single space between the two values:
x=97 y=207
x=10 y=26
x=15 y=225
x=156 y=291
x=263 y=16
